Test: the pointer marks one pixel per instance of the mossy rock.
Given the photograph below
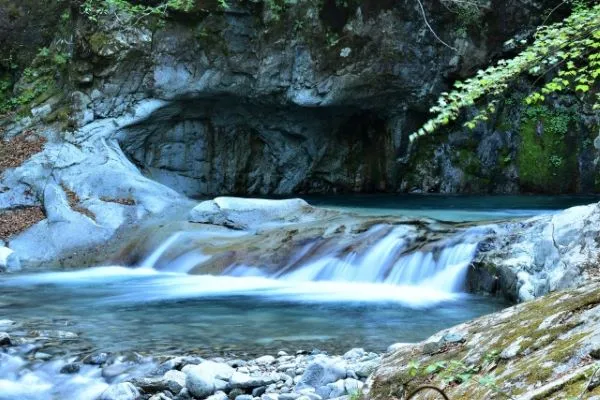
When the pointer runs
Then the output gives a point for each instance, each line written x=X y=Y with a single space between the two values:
x=547 y=157
x=545 y=347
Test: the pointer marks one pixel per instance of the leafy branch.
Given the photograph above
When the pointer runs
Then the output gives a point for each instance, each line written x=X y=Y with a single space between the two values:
x=572 y=46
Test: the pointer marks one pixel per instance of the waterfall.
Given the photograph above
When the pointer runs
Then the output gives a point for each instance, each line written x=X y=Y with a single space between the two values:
x=382 y=255
x=441 y=267
x=152 y=259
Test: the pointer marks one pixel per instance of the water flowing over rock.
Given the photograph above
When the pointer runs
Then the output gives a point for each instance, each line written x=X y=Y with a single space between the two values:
x=290 y=241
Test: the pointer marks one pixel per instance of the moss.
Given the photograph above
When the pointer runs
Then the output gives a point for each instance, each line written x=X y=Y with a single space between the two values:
x=98 y=41
x=547 y=158
x=541 y=350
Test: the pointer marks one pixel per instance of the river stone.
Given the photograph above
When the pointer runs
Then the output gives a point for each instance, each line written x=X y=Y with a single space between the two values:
x=321 y=372
x=364 y=369
x=159 y=396
x=216 y=369
x=120 y=391
x=219 y=395
x=354 y=354
x=352 y=386
x=5 y=339
x=259 y=391
x=96 y=359
x=234 y=393
x=71 y=368
x=221 y=385
x=244 y=397
x=245 y=381
x=289 y=396
x=265 y=360
x=270 y=396
x=200 y=381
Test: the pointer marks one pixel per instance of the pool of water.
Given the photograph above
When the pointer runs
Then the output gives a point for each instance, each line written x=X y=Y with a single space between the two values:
x=455 y=208
x=117 y=309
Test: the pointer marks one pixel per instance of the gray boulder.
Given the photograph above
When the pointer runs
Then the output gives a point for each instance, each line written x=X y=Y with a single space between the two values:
x=321 y=372
x=120 y=391
x=245 y=381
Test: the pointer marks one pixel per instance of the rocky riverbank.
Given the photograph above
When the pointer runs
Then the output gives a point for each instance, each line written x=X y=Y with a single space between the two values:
x=28 y=370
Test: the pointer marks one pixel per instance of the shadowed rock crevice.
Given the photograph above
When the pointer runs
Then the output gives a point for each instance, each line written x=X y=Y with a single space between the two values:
x=204 y=147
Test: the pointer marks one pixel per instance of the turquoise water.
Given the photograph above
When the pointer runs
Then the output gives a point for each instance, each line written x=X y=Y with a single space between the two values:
x=115 y=309
x=456 y=208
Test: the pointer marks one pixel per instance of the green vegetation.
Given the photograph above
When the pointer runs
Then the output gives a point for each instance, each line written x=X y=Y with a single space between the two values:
x=569 y=49
x=94 y=9
x=37 y=83
x=546 y=158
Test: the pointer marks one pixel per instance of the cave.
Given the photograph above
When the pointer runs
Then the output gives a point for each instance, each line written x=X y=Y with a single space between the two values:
x=207 y=147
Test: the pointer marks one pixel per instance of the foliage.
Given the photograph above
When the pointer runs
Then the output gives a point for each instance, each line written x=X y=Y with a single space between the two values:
x=37 y=81
x=571 y=47
x=94 y=9
x=355 y=396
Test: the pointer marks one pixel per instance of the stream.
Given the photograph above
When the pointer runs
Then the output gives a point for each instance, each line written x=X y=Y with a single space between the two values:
x=370 y=298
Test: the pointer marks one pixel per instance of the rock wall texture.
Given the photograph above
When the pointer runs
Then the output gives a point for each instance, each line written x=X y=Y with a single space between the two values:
x=319 y=96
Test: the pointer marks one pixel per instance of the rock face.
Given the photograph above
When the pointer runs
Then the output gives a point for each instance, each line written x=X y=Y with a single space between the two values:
x=531 y=258
x=246 y=105
x=533 y=149
x=544 y=349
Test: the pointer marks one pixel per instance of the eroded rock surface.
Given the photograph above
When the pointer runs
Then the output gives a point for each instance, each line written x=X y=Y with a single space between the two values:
x=543 y=349
x=531 y=258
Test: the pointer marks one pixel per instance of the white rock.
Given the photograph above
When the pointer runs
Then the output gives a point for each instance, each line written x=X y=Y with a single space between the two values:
x=354 y=354
x=251 y=213
x=120 y=391
x=220 y=395
x=199 y=382
x=175 y=380
x=245 y=381
x=9 y=260
x=265 y=360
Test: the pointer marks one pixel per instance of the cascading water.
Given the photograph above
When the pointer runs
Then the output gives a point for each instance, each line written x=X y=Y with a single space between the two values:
x=389 y=262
